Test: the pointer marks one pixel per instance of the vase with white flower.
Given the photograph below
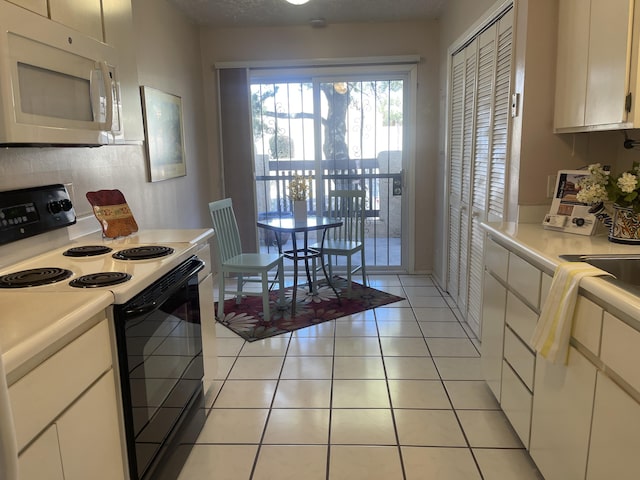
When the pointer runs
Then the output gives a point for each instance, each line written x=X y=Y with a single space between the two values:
x=298 y=194
x=615 y=200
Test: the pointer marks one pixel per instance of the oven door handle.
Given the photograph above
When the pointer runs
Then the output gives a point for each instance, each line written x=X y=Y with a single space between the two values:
x=152 y=305
x=149 y=307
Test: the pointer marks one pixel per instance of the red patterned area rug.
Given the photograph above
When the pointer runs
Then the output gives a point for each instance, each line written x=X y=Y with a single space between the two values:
x=246 y=319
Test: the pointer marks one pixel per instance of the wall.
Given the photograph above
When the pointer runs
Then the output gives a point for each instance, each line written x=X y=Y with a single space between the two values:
x=169 y=59
x=347 y=40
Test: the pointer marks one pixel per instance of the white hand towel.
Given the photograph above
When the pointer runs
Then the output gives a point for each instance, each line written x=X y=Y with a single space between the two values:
x=553 y=330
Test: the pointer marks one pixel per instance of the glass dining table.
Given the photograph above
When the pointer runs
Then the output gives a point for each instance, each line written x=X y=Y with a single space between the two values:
x=304 y=252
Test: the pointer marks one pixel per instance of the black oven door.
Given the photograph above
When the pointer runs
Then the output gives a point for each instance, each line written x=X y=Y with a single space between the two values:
x=161 y=369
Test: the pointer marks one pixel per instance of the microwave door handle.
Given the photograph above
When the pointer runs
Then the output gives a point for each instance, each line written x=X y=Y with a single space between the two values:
x=108 y=92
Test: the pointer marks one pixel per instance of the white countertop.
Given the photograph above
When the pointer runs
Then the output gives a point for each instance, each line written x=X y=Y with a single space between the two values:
x=543 y=247
x=35 y=324
x=161 y=236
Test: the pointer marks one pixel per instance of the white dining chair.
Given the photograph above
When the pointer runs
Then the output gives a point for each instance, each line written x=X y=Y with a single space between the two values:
x=348 y=239
x=246 y=266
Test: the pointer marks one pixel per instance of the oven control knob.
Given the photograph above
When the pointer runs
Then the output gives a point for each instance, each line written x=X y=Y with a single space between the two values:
x=54 y=207
x=579 y=221
x=66 y=204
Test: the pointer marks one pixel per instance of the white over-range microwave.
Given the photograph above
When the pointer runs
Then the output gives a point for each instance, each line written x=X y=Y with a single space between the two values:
x=57 y=86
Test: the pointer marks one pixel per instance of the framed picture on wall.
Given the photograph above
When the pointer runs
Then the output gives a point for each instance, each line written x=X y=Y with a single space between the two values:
x=164 y=134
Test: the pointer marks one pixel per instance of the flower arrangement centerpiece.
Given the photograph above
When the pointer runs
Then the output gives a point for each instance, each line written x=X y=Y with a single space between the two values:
x=298 y=193
x=615 y=200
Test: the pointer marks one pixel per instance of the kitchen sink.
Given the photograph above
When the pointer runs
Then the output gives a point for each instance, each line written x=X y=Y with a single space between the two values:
x=625 y=267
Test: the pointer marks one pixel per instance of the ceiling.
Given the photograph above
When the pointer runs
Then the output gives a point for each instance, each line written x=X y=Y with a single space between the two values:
x=252 y=13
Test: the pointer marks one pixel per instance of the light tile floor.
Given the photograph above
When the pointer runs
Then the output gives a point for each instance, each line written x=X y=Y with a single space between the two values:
x=391 y=393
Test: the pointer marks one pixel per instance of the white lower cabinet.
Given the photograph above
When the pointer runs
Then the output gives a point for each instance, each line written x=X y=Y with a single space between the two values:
x=66 y=412
x=494 y=299
x=89 y=435
x=516 y=400
x=42 y=458
x=615 y=434
x=84 y=442
x=561 y=420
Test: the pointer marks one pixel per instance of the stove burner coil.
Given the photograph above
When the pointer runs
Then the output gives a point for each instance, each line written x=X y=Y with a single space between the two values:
x=87 y=251
x=101 y=279
x=34 y=277
x=143 y=253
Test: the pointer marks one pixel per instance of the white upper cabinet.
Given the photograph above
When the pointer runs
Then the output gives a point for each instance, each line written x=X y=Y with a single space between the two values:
x=594 y=65
x=82 y=15
x=37 y=6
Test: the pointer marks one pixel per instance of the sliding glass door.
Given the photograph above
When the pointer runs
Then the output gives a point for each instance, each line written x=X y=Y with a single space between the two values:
x=343 y=132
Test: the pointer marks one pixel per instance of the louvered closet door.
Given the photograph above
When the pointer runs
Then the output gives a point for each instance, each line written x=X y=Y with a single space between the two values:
x=478 y=146
x=491 y=142
x=480 y=173
x=470 y=97
x=456 y=128
x=501 y=127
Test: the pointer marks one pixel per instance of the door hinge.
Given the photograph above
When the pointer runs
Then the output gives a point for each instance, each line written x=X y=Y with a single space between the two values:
x=627 y=103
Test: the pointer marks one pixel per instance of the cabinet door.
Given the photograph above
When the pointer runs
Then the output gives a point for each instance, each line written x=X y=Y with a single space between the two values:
x=516 y=403
x=561 y=419
x=119 y=33
x=42 y=458
x=593 y=63
x=609 y=61
x=37 y=6
x=494 y=301
x=89 y=434
x=572 y=61
x=615 y=434
x=82 y=15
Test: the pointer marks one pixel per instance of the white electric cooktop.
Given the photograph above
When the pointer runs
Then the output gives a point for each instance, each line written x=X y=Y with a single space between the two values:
x=140 y=273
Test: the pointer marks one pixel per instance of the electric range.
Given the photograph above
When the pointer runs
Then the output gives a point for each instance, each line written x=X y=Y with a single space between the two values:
x=153 y=307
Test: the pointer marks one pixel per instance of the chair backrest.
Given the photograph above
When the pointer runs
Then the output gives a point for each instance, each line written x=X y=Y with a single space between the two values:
x=227 y=236
x=348 y=206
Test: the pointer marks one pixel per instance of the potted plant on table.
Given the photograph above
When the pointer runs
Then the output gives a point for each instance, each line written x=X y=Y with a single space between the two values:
x=298 y=193
x=615 y=200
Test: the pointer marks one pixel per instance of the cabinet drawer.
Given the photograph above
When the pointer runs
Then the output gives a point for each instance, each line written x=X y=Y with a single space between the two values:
x=525 y=279
x=587 y=324
x=496 y=259
x=520 y=317
x=621 y=349
x=42 y=394
x=521 y=359
x=516 y=403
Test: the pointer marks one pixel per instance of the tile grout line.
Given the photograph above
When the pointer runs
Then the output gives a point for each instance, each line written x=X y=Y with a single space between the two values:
x=393 y=414
x=333 y=365
x=273 y=398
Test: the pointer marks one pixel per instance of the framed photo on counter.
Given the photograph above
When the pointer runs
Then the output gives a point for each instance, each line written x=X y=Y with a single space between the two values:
x=164 y=134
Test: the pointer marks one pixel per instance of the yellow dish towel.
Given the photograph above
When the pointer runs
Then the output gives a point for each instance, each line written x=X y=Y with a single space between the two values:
x=553 y=330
